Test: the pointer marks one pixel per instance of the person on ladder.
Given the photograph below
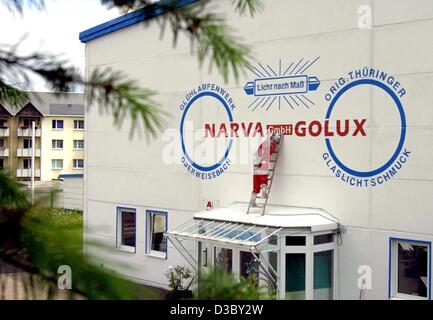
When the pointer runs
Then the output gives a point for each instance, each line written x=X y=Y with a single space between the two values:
x=262 y=162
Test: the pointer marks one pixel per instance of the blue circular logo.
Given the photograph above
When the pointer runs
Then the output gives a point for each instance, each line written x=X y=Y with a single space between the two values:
x=402 y=133
x=187 y=108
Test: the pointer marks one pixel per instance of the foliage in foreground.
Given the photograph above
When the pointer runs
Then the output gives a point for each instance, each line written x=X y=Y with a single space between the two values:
x=33 y=239
x=220 y=285
x=212 y=40
x=40 y=240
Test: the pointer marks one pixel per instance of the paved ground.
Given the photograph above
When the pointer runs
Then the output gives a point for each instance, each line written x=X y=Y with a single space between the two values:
x=18 y=285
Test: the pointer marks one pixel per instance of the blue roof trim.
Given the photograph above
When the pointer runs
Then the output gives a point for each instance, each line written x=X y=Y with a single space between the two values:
x=79 y=175
x=130 y=19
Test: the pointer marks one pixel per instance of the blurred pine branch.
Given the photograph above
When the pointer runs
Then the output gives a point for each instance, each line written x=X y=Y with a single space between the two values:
x=34 y=239
x=38 y=240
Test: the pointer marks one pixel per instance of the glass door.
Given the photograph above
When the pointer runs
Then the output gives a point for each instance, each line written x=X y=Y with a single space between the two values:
x=323 y=275
x=204 y=255
x=223 y=259
x=295 y=276
x=248 y=266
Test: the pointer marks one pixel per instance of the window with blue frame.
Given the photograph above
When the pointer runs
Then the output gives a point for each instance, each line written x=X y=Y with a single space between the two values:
x=156 y=227
x=410 y=273
x=126 y=229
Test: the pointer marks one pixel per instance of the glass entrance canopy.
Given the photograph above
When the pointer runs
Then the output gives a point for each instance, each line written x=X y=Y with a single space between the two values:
x=281 y=247
x=234 y=233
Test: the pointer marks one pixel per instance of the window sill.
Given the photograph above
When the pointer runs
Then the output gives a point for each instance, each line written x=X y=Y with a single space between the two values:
x=78 y=129
x=77 y=168
x=126 y=249
x=157 y=255
x=78 y=149
x=407 y=297
x=57 y=169
x=55 y=129
x=57 y=149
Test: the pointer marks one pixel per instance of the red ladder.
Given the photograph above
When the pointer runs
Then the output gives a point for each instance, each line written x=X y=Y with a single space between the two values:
x=273 y=164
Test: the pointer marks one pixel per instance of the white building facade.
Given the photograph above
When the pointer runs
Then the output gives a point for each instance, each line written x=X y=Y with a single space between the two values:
x=346 y=82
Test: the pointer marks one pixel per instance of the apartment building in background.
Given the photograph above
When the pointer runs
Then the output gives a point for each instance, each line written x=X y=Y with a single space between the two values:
x=59 y=136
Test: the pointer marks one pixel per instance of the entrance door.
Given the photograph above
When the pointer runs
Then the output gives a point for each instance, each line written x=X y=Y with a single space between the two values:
x=203 y=252
x=223 y=258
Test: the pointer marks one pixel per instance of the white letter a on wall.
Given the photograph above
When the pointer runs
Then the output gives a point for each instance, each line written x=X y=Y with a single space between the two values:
x=365 y=19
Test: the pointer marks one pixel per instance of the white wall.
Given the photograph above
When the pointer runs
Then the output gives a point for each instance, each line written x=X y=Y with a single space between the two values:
x=73 y=193
x=121 y=171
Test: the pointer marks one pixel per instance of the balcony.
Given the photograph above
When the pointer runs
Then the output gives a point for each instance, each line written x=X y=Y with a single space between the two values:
x=4 y=132
x=4 y=152
x=26 y=173
x=27 y=132
x=28 y=153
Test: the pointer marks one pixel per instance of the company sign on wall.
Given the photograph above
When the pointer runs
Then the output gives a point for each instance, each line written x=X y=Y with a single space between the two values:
x=359 y=149
x=207 y=97
x=282 y=85
x=392 y=160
